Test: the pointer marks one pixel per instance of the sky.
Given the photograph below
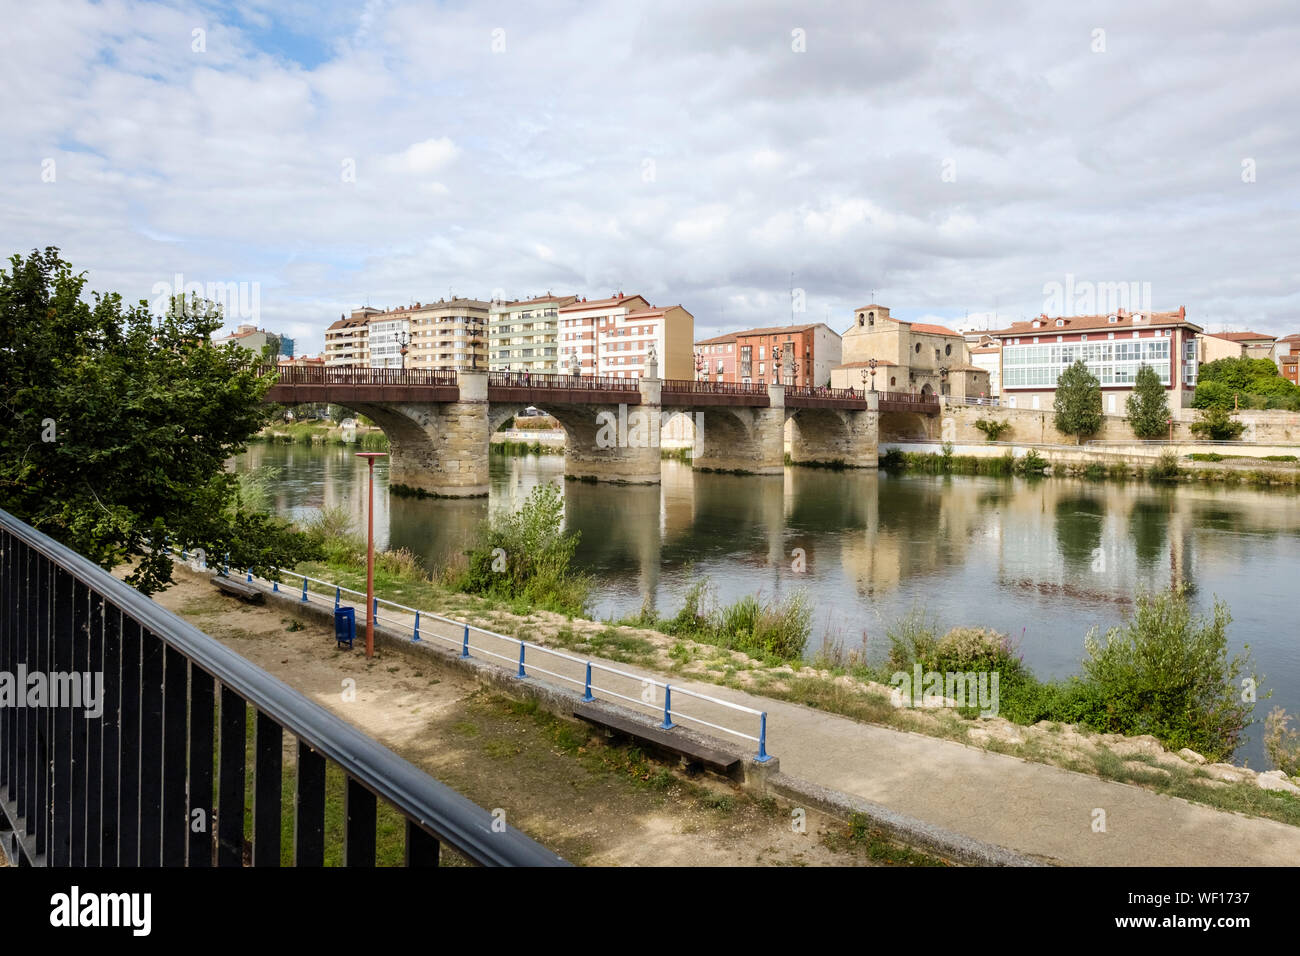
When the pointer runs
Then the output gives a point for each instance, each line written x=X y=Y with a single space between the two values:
x=959 y=161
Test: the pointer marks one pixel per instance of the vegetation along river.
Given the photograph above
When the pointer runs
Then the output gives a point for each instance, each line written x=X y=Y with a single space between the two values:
x=1043 y=560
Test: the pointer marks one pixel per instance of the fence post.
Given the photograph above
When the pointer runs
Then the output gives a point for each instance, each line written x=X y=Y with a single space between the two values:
x=225 y=564
x=464 y=648
x=521 y=660
x=763 y=756
x=249 y=578
x=304 y=589
x=275 y=587
x=668 y=706
x=337 y=594
x=375 y=610
x=417 y=627
x=587 y=696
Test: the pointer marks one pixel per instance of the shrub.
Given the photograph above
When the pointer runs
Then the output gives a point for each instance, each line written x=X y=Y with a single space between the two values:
x=1217 y=424
x=893 y=459
x=1167 y=673
x=1166 y=467
x=992 y=429
x=1281 y=743
x=1031 y=463
x=526 y=554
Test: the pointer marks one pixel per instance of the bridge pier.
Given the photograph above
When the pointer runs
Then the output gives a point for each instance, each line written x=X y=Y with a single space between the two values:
x=745 y=439
x=438 y=448
x=827 y=436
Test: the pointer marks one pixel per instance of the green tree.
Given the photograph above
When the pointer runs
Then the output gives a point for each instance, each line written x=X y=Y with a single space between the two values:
x=1250 y=383
x=1217 y=424
x=117 y=425
x=1148 y=406
x=1078 y=402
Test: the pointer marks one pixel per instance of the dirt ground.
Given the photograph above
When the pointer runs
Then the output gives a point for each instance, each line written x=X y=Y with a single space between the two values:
x=593 y=804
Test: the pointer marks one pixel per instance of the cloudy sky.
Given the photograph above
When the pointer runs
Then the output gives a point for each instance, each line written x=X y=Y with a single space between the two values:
x=948 y=159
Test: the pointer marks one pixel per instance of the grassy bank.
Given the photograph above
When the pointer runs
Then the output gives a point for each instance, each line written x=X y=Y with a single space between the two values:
x=363 y=437
x=520 y=448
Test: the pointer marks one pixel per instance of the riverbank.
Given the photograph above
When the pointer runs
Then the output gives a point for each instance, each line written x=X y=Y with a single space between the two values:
x=364 y=437
x=1207 y=462
x=836 y=685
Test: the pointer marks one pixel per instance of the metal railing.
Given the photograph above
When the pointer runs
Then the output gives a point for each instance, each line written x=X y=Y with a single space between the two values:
x=352 y=375
x=722 y=388
x=908 y=398
x=519 y=660
x=994 y=402
x=134 y=785
x=544 y=380
x=823 y=391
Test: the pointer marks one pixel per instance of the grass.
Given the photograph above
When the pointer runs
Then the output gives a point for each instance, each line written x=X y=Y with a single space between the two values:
x=861 y=834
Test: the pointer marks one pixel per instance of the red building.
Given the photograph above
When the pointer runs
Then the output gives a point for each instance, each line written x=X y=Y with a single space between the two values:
x=806 y=354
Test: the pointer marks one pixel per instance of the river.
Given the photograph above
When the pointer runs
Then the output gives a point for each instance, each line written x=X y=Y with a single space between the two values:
x=1041 y=560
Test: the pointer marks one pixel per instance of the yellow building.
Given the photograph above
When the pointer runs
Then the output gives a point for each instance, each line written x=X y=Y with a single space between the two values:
x=910 y=357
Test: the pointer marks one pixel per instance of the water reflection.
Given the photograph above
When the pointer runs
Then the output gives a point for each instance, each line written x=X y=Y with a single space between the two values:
x=1042 y=560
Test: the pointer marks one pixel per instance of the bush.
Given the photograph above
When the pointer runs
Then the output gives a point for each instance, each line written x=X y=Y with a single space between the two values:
x=1031 y=463
x=773 y=630
x=1217 y=424
x=992 y=429
x=1166 y=467
x=893 y=459
x=527 y=555
x=1281 y=743
x=1168 y=674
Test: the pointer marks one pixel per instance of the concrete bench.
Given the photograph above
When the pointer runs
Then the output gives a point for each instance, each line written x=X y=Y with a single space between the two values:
x=689 y=751
x=240 y=589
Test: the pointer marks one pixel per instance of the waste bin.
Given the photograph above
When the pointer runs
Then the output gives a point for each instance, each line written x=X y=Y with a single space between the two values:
x=345 y=625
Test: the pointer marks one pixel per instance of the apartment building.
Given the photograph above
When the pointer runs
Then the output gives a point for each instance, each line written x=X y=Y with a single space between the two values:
x=253 y=339
x=387 y=336
x=613 y=337
x=715 y=359
x=1114 y=347
x=806 y=354
x=448 y=334
x=1286 y=352
x=347 y=341
x=1256 y=344
x=523 y=335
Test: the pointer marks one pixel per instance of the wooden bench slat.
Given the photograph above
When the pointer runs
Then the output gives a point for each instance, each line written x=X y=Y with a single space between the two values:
x=714 y=759
x=239 y=589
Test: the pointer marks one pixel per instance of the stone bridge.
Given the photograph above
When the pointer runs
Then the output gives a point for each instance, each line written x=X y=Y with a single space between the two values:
x=439 y=422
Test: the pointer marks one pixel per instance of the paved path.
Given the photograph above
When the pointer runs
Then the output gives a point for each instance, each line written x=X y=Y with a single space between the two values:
x=1031 y=808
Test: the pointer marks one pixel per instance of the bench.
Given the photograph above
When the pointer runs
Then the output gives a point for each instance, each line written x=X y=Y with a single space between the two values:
x=240 y=589
x=664 y=741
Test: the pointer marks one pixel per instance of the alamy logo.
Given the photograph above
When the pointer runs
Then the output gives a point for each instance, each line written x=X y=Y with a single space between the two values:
x=77 y=691
x=74 y=908
x=1095 y=298
x=238 y=300
x=947 y=689
x=639 y=428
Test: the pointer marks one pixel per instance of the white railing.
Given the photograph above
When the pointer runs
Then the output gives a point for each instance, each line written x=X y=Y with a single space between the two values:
x=591 y=690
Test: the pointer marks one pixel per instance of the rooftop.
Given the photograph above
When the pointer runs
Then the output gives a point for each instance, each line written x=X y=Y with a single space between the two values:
x=1084 y=323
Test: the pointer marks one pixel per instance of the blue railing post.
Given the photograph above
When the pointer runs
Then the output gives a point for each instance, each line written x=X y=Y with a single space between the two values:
x=225 y=564
x=375 y=610
x=668 y=708
x=275 y=586
x=304 y=589
x=417 y=627
x=464 y=648
x=337 y=594
x=249 y=577
x=587 y=695
x=763 y=756
x=521 y=660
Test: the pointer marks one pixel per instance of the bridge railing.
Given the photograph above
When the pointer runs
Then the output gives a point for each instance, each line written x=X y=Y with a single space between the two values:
x=583 y=382
x=353 y=375
x=822 y=391
x=522 y=659
x=722 y=388
x=133 y=785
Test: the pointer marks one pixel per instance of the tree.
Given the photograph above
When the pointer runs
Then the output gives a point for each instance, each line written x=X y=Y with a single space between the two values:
x=1148 y=406
x=1250 y=383
x=992 y=428
x=1078 y=402
x=1217 y=424
x=117 y=425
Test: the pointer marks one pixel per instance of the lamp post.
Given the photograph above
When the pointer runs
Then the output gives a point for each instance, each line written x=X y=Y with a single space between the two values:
x=864 y=381
x=403 y=339
x=794 y=371
x=473 y=343
x=871 y=364
x=370 y=457
x=776 y=363
x=575 y=367
x=943 y=378
x=699 y=364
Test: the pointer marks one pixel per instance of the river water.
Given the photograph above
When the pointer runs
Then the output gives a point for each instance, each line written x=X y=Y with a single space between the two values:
x=1041 y=560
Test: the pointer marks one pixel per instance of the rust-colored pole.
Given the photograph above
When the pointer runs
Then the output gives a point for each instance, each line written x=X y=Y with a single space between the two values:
x=370 y=565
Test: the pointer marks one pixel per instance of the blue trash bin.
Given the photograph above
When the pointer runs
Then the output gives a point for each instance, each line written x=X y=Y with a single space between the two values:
x=345 y=625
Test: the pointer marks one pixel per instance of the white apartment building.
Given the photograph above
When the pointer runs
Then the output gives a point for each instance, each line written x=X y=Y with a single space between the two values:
x=386 y=337
x=523 y=335
x=613 y=337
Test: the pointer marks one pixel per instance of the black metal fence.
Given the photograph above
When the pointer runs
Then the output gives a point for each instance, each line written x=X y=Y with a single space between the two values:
x=158 y=777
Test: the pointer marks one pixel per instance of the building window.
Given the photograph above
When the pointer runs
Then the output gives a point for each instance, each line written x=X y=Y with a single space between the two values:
x=918 y=348
x=947 y=350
